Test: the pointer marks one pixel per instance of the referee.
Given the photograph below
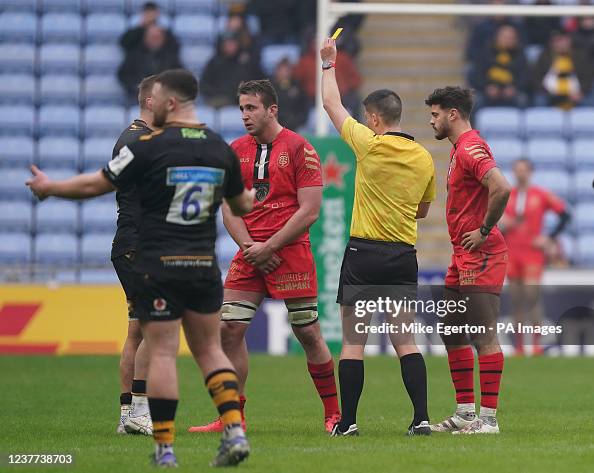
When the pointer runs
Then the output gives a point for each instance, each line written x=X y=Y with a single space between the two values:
x=394 y=186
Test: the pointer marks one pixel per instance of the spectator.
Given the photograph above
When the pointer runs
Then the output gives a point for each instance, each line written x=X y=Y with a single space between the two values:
x=133 y=38
x=583 y=37
x=279 y=19
x=293 y=107
x=225 y=71
x=153 y=55
x=500 y=75
x=347 y=75
x=563 y=73
x=249 y=49
x=538 y=28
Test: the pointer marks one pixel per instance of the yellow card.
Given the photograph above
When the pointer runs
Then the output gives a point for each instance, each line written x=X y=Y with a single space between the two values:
x=337 y=33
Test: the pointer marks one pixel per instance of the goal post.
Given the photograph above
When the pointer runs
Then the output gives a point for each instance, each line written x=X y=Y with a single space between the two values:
x=328 y=12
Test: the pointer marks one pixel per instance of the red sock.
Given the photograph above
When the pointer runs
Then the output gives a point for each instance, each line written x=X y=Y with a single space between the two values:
x=462 y=371
x=323 y=378
x=491 y=367
x=242 y=400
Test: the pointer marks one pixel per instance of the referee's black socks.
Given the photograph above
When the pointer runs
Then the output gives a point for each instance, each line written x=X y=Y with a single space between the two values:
x=414 y=375
x=350 y=377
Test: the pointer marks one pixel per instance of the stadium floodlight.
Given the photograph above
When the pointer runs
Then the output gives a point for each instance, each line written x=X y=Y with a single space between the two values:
x=329 y=12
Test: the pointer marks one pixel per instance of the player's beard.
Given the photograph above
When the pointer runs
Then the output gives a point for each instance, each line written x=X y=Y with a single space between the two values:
x=159 y=117
x=442 y=133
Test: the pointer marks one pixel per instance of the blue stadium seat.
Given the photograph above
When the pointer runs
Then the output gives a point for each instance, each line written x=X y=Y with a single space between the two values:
x=99 y=216
x=194 y=28
x=273 y=54
x=59 y=58
x=59 y=119
x=568 y=247
x=60 y=88
x=547 y=152
x=59 y=151
x=71 y=6
x=195 y=6
x=17 y=57
x=583 y=153
x=56 y=215
x=582 y=184
x=61 y=27
x=15 y=216
x=506 y=150
x=18 y=27
x=18 y=5
x=17 y=88
x=209 y=116
x=101 y=89
x=230 y=121
x=56 y=248
x=195 y=58
x=558 y=181
x=12 y=184
x=226 y=249
x=132 y=114
x=585 y=249
x=581 y=122
x=102 y=59
x=584 y=217
x=17 y=120
x=545 y=121
x=104 y=27
x=97 y=152
x=104 y=120
x=16 y=150
x=497 y=121
x=98 y=276
x=15 y=248
x=96 y=248
x=106 y=6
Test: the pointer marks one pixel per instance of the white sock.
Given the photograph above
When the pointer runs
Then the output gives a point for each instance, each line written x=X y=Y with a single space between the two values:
x=139 y=405
x=488 y=412
x=466 y=410
x=232 y=431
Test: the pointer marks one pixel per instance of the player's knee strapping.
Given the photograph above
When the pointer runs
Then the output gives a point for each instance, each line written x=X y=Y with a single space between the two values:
x=238 y=311
x=302 y=313
x=223 y=387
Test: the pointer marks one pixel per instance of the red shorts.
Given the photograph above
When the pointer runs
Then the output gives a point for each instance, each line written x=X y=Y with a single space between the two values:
x=294 y=278
x=477 y=272
x=526 y=266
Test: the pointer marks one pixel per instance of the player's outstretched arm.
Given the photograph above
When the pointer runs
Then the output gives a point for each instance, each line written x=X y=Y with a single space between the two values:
x=330 y=93
x=83 y=186
x=242 y=203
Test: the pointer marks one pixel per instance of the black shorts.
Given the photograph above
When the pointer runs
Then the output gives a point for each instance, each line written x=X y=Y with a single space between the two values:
x=123 y=267
x=372 y=269
x=163 y=298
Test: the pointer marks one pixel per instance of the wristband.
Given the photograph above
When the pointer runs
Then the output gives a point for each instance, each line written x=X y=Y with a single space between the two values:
x=328 y=65
x=485 y=230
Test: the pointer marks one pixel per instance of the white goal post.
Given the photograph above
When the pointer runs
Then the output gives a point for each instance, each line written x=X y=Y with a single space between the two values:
x=329 y=11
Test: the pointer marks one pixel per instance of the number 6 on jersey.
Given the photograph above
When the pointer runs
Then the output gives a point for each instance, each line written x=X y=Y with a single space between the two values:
x=194 y=193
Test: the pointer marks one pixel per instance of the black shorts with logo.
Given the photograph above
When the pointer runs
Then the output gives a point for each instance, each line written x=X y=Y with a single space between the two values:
x=123 y=267
x=372 y=269
x=164 y=298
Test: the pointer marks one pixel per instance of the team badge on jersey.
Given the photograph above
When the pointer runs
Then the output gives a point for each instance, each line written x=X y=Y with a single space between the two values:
x=283 y=160
x=160 y=304
x=262 y=190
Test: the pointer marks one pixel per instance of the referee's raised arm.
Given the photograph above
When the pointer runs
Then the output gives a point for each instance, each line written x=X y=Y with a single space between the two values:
x=330 y=93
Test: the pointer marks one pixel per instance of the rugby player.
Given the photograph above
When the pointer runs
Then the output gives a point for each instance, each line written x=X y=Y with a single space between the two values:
x=528 y=246
x=477 y=196
x=275 y=257
x=182 y=173
x=394 y=186
x=134 y=411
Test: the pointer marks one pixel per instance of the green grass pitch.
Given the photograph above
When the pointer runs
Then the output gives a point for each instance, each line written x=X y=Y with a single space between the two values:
x=70 y=405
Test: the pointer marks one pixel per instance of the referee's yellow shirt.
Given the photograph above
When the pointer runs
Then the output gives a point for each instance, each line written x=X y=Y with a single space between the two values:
x=394 y=174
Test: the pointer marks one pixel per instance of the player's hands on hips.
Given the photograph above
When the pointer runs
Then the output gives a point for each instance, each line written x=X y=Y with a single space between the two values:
x=471 y=241
x=39 y=183
x=328 y=51
x=257 y=253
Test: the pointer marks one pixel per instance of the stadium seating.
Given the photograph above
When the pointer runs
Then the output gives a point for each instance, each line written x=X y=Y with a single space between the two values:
x=544 y=121
x=71 y=6
x=230 y=122
x=195 y=28
x=18 y=26
x=15 y=216
x=59 y=119
x=17 y=120
x=16 y=150
x=97 y=152
x=582 y=185
x=506 y=150
x=164 y=5
x=102 y=89
x=104 y=120
x=581 y=122
x=56 y=215
x=104 y=27
x=585 y=249
x=56 y=248
x=17 y=58
x=18 y=5
x=548 y=152
x=584 y=217
x=60 y=88
x=99 y=216
x=194 y=6
x=273 y=54
x=12 y=184
x=15 y=248
x=583 y=153
x=61 y=27
x=195 y=57
x=102 y=58
x=209 y=116
x=96 y=248
x=61 y=152
x=59 y=58
x=106 y=6
x=496 y=121
x=17 y=88
x=556 y=180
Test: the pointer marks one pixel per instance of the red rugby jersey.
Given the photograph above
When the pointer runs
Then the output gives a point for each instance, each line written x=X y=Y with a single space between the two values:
x=466 y=205
x=276 y=170
x=530 y=206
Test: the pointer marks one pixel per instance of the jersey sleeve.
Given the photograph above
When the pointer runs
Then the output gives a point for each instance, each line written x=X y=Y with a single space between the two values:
x=554 y=203
x=477 y=160
x=430 y=191
x=357 y=136
x=125 y=168
x=234 y=182
x=306 y=162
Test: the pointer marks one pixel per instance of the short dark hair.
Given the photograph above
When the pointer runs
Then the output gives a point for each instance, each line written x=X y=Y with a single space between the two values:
x=181 y=82
x=150 y=6
x=526 y=161
x=453 y=97
x=263 y=88
x=386 y=103
x=144 y=90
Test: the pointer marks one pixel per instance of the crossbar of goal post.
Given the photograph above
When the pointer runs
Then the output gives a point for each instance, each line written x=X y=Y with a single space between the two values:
x=329 y=11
